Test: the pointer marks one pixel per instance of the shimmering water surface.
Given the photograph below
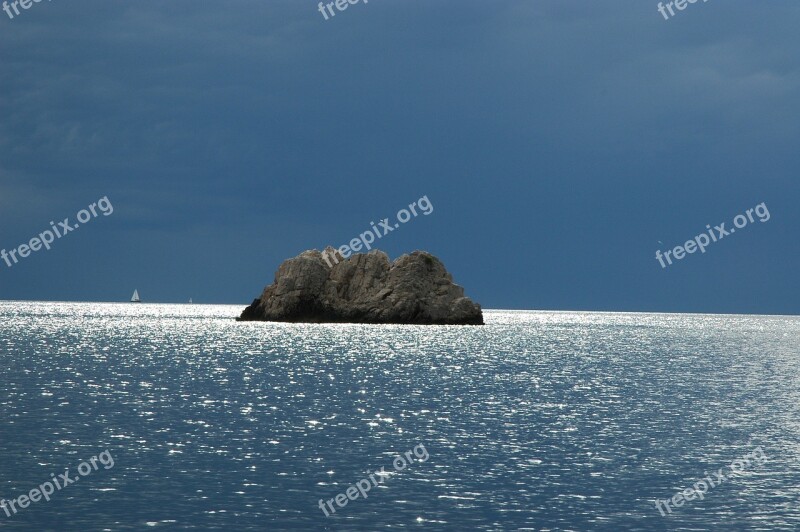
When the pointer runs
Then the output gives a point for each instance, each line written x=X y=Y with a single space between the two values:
x=536 y=421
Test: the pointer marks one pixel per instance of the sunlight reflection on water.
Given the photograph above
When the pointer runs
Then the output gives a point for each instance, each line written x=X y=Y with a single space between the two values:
x=561 y=420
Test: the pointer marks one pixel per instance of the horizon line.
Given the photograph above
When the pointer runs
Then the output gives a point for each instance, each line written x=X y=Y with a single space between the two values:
x=484 y=309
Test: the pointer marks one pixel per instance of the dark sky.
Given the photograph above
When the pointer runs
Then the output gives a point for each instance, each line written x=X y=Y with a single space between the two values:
x=561 y=143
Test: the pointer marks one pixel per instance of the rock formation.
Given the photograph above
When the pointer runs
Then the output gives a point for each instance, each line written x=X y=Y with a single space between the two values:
x=364 y=288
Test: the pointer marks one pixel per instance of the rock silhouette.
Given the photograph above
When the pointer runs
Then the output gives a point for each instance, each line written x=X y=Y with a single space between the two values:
x=364 y=288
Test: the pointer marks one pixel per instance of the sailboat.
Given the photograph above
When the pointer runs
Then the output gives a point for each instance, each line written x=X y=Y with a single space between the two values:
x=135 y=297
x=190 y=301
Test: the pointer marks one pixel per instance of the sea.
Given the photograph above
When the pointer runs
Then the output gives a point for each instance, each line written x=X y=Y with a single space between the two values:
x=535 y=421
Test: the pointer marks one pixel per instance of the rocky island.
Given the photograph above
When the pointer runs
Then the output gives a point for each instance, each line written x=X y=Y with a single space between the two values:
x=364 y=288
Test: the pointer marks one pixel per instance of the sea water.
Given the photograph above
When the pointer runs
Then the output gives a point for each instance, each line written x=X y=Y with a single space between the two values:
x=535 y=421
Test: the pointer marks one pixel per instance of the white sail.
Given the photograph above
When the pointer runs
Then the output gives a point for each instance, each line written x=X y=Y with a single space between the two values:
x=135 y=297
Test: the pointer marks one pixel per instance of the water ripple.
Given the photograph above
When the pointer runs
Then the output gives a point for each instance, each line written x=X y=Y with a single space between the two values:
x=538 y=420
